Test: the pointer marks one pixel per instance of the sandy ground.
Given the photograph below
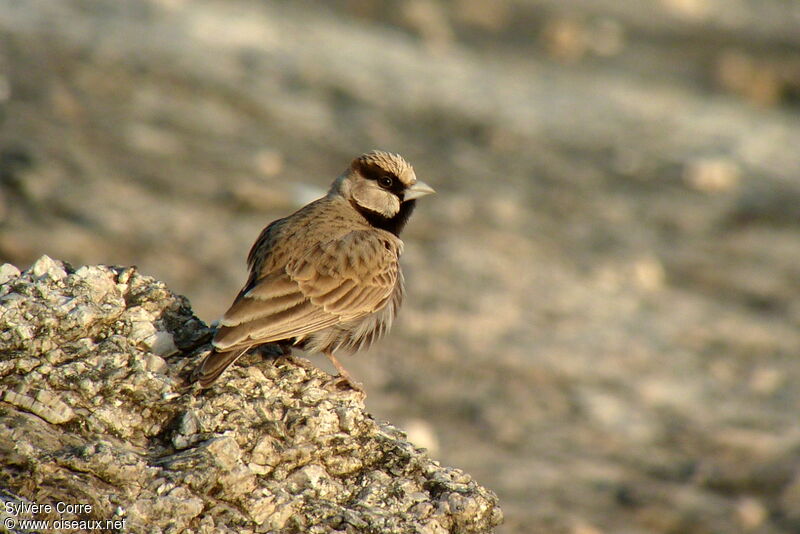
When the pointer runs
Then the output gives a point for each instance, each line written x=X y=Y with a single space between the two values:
x=603 y=322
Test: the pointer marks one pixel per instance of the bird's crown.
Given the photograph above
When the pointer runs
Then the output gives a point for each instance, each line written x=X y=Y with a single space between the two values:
x=378 y=162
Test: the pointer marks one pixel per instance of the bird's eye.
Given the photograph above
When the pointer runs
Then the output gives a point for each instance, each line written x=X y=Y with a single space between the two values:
x=385 y=182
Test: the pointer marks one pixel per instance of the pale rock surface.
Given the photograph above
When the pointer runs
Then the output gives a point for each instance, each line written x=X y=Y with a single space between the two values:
x=95 y=410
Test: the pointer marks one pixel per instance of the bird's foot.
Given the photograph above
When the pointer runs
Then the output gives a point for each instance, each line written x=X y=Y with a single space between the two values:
x=346 y=381
x=344 y=377
x=297 y=361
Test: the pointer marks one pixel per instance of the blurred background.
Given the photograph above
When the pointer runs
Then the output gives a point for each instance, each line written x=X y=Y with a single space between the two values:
x=603 y=319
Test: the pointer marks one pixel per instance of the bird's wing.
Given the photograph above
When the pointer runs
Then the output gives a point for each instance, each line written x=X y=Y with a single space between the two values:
x=335 y=281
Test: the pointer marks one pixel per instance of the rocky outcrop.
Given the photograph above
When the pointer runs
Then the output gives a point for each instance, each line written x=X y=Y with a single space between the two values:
x=96 y=414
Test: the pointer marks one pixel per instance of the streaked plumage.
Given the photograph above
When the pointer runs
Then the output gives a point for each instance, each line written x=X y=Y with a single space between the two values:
x=327 y=277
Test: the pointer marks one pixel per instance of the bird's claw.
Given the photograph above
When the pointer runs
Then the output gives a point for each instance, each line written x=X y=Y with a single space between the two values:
x=343 y=381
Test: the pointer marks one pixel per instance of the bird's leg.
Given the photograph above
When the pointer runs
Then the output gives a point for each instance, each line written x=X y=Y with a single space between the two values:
x=343 y=374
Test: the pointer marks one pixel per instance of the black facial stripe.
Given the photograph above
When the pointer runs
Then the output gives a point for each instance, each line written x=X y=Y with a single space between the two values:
x=370 y=171
x=390 y=224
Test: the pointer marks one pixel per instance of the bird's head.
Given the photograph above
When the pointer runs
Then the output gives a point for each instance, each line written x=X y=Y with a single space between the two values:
x=382 y=187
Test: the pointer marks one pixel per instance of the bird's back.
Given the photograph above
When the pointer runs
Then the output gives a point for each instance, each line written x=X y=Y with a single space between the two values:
x=326 y=261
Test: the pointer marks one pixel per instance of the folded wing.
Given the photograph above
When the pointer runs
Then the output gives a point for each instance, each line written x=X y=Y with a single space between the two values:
x=333 y=282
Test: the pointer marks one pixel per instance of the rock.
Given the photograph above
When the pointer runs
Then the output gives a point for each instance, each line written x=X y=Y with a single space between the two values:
x=45 y=266
x=95 y=411
x=7 y=272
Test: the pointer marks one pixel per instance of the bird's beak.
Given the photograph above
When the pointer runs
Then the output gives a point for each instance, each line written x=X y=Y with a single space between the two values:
x=419 y=189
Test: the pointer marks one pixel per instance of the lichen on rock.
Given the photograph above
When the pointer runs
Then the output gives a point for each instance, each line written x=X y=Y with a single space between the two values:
x=96 y=409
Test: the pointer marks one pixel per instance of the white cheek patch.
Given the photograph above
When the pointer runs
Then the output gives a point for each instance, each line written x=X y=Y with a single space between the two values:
x=375 y=199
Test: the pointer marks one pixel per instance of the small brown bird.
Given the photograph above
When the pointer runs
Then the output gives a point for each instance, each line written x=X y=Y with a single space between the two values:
x=328 y=276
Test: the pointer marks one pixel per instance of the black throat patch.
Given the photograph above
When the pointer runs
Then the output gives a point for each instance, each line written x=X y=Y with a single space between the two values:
x=394 y=224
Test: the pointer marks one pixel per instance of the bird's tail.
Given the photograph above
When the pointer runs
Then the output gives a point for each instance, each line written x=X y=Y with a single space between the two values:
x=215 y=364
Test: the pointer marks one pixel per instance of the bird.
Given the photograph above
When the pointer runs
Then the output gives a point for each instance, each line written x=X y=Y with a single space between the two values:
x=327 y=277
